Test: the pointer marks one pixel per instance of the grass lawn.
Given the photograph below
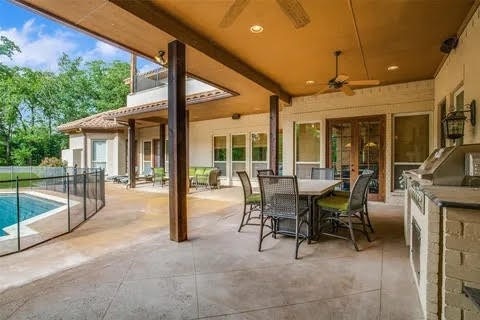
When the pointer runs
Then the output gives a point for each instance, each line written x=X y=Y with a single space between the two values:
x=4 y=176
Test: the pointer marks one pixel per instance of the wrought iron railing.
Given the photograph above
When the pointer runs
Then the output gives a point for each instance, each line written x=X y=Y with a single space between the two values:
x=40 y=204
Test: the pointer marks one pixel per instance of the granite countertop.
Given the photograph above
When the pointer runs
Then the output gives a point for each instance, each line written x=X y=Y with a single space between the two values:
x=453 y=196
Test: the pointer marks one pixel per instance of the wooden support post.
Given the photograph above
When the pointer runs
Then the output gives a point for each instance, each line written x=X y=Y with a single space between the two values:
x=274 y=151
x=161 y=151
x=133 y=73
x=131 y=153
x=177 y=138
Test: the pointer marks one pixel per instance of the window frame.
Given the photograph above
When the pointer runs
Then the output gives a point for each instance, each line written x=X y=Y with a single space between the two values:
x=143 y=155
x=430 y=135
x=94 y=162
x=223 y=174
x=246 y=161
x=252 y=162
x=295 y=140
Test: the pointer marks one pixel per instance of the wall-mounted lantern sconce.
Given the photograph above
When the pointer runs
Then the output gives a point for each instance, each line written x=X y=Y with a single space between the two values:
x=160 y=58
x=454 y=122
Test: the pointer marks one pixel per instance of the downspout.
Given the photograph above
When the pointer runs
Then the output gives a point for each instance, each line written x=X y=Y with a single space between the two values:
x=85 y=162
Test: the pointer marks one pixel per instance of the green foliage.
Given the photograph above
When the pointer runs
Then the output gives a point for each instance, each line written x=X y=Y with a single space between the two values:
x=33 y=103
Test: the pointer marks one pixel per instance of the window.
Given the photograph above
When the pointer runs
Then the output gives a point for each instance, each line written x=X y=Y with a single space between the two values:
x=239 y=153
x=220 y=154
x=280 y=153
x=99 y=154
x=411 y=144
x=147 y=157
x=259 y=152
x=459 y=100
x=307 y=138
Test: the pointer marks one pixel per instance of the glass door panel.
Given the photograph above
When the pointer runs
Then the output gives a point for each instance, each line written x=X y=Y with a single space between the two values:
x=355 y=145
x=340 y=153
x=369 y=152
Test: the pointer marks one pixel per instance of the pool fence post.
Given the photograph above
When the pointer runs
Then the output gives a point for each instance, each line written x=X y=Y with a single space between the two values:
x=84 y=195
x=68 y=201
x=18 y=217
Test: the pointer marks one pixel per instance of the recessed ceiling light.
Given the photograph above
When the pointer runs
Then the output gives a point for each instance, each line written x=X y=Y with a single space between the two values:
x=310 y=81
x=256 y=28
x=392 y=68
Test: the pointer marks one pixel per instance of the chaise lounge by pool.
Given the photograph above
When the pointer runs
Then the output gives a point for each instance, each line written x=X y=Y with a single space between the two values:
x=30 y=206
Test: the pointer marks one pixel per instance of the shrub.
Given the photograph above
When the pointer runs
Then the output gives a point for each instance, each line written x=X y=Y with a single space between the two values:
x=53 y=162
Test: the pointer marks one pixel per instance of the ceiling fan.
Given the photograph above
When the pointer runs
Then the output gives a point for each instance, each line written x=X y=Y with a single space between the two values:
x=291 y=8
x=340 y=81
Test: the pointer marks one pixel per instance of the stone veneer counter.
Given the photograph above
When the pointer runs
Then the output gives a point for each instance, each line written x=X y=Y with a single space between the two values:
x=453 y=196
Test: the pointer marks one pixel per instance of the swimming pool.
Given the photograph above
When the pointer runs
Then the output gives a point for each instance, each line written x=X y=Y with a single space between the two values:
x=30 y=206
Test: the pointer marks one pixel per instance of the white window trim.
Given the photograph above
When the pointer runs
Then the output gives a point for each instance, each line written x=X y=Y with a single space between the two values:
x=92 y=153
x=143 y=154
x=247 y=154
x=225 y=174
x=295 y=144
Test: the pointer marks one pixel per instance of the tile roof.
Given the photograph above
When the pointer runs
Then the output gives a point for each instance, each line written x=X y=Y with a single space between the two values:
x=96 y=121
x=106 y=120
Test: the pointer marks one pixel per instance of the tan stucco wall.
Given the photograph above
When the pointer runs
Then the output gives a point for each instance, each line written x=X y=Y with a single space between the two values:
x=462 y=66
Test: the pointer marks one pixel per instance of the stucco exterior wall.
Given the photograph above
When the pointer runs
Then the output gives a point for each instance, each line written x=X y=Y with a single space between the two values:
x=461 y=68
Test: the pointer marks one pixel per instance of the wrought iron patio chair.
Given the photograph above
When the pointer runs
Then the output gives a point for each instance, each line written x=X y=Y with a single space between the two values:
x=279 y=195
x=322 y=174
x=338 y=211
x=365 y=205
x=265 y=172
x=251 y=201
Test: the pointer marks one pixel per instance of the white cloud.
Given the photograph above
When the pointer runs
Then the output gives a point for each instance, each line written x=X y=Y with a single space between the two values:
x=104 y=51
x=41 y=50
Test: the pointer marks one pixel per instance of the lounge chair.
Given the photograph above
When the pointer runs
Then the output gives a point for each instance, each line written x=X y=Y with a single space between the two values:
x=159 y=176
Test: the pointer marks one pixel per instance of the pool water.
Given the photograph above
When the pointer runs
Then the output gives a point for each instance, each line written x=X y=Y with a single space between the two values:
x=30 y=206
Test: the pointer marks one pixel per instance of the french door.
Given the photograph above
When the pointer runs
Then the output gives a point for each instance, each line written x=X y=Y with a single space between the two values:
x=355 y=145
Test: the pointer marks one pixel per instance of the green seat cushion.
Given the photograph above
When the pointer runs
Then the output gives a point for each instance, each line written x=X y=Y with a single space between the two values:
x=341 y=193
x=336 y=203
x=199 y=171
x=191 y=171
x=253 y=198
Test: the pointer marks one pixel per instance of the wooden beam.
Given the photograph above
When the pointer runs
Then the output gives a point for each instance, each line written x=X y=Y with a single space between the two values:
x=274 y=130
x=161 y=151
x=131 y=153
x=156 y=16
x=177 y=139
x=133 y=73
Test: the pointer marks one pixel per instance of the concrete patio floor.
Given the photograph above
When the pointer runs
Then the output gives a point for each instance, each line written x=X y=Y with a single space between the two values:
x=121 y=265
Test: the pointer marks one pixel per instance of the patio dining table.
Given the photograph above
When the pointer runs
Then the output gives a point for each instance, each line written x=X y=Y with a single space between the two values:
x=310 y=189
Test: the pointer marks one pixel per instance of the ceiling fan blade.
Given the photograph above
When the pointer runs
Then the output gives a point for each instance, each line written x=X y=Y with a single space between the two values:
x=233 y=12
x=294 y=10
x=364 y=83
x=341 y=78
x=324 y=89
x=347 y=90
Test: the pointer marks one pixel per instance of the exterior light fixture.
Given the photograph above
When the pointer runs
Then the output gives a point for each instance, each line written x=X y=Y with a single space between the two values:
x=310 y=82
x=454 y=122
x=160 y=58
x=256 y=28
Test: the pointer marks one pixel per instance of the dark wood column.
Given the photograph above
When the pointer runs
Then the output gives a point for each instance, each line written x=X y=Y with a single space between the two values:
x=177 y=139
x=133 y=73
x=131 y=153
x=274 y=130
x=161 y=147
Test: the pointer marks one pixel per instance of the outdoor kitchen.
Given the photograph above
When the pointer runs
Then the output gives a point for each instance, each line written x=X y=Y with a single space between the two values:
x=442 y=229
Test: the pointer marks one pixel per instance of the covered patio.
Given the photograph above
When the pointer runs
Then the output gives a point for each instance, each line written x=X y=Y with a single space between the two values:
x=289 y=71
x=121 y=265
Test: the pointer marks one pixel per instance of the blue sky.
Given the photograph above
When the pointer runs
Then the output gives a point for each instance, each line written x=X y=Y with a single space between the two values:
x=42 y=41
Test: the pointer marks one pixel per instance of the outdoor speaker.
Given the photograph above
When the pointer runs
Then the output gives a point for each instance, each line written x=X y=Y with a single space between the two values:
x=236 y=116
x=449 y=44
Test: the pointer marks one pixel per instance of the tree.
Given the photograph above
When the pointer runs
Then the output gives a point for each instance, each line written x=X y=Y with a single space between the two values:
x=33 y=103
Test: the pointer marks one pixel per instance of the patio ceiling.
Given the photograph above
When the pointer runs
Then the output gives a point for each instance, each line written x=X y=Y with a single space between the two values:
x=372 y=34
